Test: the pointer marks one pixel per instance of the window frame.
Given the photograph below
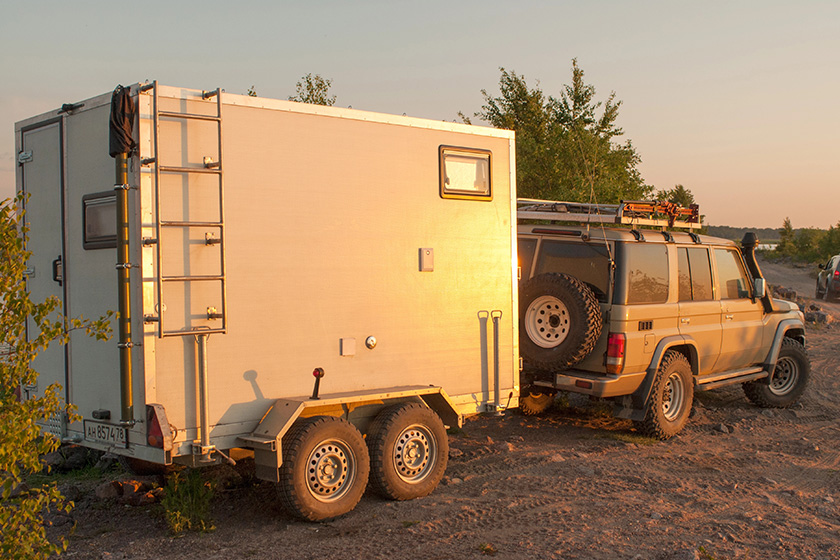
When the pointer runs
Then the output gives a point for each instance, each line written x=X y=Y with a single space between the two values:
x=99 y=242
x=476 y=153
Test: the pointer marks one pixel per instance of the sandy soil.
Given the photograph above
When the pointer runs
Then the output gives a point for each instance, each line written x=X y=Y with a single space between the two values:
x=739 y=482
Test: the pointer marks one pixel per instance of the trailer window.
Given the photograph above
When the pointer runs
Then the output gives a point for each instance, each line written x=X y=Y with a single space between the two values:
x=99 y=217
x=465 y=173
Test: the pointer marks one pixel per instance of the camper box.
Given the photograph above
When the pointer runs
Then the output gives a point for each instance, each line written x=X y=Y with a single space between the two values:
x=325 y=288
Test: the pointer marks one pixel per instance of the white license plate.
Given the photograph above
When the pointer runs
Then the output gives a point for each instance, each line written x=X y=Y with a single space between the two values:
x=109 y=434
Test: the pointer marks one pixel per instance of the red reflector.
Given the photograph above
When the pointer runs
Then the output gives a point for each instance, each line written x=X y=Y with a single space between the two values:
x=583 y=384
x=154 y=435
x=318 y=372
x=837 y=273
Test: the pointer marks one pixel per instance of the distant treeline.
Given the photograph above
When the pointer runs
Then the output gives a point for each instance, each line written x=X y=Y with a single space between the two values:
x=765 y=235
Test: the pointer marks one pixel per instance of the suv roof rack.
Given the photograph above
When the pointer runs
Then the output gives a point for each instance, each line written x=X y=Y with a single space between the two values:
x=657 y=213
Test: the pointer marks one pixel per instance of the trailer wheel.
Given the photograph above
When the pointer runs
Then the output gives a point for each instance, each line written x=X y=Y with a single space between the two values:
x=559 y=321
x=325 y=468
x=535 y=400
x=409 y=450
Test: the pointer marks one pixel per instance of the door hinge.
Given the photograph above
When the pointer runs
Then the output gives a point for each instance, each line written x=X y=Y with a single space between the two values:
x=24 y=157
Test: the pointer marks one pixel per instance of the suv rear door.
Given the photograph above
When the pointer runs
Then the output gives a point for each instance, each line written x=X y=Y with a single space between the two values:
x=700 y=312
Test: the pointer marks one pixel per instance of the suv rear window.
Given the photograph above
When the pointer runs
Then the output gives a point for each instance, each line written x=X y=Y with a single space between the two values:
x=647 y=272
x=587 y=262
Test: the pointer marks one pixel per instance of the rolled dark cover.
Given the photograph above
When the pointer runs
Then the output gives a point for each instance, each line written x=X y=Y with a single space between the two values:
x=121 y=122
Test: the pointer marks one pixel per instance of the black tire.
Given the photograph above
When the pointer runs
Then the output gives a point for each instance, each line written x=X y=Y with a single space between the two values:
x=325 y=468
x=409 y=450
x=818 y=294
x=789 y=381
x=535 y=400
x=671 y=397
x=559 y=321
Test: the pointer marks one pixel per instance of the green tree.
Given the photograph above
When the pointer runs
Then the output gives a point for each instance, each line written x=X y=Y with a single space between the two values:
x=786 y=236
x=313 y=89
x=22 y=533
x=678 y=195
x=565 y=147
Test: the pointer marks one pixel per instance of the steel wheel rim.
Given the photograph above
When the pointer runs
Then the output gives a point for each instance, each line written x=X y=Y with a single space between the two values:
x=673 y=397
x=415 y=453
x=547 y=321
x=330 y=470
x=785 y=376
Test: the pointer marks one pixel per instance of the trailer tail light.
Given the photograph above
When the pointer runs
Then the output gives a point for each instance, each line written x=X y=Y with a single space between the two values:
x=154 y=434
x=615 y=352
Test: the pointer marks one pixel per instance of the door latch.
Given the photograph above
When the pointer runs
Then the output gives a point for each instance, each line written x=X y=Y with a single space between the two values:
x=58 y=271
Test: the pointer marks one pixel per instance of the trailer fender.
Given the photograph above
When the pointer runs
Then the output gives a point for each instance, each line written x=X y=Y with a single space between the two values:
x=266 y=439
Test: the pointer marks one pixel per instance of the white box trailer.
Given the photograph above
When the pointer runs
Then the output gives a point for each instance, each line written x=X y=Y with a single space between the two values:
x=289 y=276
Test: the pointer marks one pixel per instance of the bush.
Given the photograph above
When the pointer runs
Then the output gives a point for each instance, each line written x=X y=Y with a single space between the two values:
x=187 y=503
x=22 y=532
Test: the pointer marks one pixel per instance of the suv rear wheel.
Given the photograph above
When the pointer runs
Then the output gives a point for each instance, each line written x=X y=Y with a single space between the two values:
x=670 y=399
x=560 y=321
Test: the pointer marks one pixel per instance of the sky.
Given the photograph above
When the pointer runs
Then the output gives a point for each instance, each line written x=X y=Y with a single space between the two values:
x=735 y=100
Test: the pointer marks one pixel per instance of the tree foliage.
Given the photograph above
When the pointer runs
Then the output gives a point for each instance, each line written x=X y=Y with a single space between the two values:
x=566 y=147
x=313 y=89
x=22 y=533
x=808 y=244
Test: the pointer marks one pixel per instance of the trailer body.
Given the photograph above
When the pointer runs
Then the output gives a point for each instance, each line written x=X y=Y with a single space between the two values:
x=268 y=240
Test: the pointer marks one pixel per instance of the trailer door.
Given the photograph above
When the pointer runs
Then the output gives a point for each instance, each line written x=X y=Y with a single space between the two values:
x=42 y=180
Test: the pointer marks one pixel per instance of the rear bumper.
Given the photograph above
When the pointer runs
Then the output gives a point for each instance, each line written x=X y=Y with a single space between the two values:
x=597 y=384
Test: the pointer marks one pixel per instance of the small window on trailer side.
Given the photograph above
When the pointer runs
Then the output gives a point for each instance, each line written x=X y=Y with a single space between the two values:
x=465 y=173
x=99 y=220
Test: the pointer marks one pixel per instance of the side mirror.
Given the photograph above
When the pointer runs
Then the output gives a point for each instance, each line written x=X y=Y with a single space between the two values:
x=760 y=287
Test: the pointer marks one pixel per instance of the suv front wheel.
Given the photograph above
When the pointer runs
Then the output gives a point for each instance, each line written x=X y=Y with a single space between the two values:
x=670 y=398
x=789 y=380
x=560 y=321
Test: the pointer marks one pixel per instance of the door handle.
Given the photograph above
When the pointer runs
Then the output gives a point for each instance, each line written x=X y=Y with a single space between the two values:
x=58 y=271
x=685 y=320
x=729 y=317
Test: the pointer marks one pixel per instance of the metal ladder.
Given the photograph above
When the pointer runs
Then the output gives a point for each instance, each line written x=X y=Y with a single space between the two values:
x=215 y=168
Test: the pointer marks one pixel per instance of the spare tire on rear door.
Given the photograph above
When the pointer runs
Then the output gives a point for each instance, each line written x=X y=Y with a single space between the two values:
x=559 y=321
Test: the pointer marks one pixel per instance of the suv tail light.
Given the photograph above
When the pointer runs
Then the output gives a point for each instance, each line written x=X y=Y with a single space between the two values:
x=837 y=274
x=615 y=352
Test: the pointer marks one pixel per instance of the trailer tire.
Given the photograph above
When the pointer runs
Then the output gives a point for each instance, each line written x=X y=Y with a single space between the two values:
x=325 y=468
x=409 y=450
x=535 y=400
x=559 y=321
x=790 y=378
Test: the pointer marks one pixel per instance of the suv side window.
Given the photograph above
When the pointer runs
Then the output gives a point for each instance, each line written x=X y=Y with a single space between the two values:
x=526 y=248
x=694 y=273
x=647 y=273
x=589 y=263
x=732 y=278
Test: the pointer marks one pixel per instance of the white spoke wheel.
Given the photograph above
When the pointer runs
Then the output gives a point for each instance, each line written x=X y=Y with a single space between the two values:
x=559 y=321
x=671 y=396
x=789 y=379
x=547 y=321
x=325 y=468
x=409 y=450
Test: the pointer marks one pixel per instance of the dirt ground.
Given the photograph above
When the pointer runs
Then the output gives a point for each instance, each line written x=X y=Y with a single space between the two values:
x=739 y=482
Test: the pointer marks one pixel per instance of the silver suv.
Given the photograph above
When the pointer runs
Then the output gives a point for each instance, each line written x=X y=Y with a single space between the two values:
x=645 y=317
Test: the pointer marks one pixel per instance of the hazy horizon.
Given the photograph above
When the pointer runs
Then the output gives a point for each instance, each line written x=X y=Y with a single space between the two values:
x=733 y=100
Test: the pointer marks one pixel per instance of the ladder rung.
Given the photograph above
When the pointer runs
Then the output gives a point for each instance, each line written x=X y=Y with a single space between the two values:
x=194 y=116
x=192 y=331
x=167 y=169
x=193 y=224
x=192 y=278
